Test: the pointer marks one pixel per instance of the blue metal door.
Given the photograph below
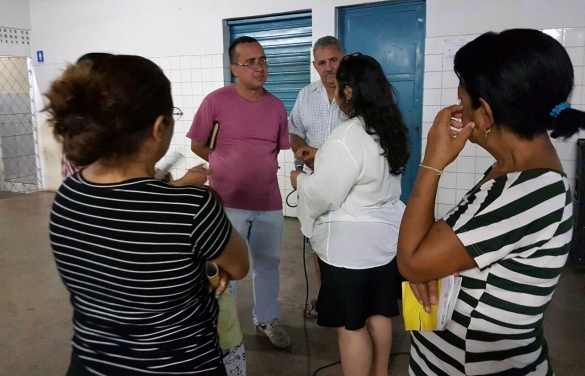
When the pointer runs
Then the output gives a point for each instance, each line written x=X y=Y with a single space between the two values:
x=393 y=34
x=286 y=39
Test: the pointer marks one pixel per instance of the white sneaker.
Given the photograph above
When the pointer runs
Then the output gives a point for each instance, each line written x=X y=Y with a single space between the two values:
x=275 y=333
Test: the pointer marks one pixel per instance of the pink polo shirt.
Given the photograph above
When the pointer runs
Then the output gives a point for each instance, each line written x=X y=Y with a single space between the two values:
x=244 y=162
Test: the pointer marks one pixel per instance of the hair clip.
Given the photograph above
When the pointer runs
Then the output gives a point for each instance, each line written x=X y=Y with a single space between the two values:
x=559 y=108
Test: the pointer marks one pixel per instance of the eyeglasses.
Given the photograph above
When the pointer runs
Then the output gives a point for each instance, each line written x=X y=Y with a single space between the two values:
x=254 y=64
x=177 y=114
x=352 y=55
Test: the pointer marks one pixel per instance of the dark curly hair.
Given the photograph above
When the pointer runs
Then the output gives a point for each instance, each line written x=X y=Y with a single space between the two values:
x=105 y=108
x=373 y=99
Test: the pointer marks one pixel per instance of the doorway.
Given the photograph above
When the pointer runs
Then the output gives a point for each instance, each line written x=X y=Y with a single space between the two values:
x=19 y=167
x=394 y=34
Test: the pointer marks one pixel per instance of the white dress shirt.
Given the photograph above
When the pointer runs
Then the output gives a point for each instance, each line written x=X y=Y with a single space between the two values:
x=350 y=206
x=313 y=117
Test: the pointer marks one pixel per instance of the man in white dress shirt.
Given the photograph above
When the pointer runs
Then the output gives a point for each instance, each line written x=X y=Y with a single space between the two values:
x=315 y=115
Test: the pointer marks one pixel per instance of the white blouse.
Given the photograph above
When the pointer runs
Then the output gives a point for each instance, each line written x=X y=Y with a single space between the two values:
x=350 y=206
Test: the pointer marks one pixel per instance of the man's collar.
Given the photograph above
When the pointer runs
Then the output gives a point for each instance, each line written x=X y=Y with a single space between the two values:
x=318 y=85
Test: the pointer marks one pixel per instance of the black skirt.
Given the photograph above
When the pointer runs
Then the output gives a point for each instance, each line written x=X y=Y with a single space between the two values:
x=348 y=297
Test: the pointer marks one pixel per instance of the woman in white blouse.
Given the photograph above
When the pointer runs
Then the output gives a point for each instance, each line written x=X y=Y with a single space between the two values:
x=350 y=208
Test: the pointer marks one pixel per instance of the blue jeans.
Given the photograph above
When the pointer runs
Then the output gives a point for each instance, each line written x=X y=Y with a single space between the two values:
x=262 y=230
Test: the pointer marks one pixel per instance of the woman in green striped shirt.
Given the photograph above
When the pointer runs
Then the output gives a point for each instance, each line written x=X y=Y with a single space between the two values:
x=509 y=236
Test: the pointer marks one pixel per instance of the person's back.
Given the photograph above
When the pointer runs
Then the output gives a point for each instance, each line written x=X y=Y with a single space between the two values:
x=350 y=210
x=362 y=197
x=131 y=249
x=375 y=186
x=132 y=256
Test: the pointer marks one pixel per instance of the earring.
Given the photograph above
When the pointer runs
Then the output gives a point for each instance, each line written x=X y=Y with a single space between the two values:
x=486 y=131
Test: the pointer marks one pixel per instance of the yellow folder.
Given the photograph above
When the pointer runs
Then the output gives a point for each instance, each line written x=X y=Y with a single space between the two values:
x=415 y=317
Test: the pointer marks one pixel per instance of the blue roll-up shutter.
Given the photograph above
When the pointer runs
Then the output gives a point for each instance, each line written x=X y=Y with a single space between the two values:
x=287 y=42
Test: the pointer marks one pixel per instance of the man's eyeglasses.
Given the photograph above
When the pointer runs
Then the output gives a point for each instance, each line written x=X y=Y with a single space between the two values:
x=352 y=55
x=254 y=64
x=177 y=114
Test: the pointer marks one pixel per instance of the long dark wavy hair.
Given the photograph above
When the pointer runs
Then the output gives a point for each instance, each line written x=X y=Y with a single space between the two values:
x=373 y=99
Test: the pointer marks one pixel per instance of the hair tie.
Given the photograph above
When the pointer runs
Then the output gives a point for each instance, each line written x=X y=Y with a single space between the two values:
x=559 y=108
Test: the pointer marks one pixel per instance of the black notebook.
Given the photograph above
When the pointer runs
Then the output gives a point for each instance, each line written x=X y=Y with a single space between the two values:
x=213 y=137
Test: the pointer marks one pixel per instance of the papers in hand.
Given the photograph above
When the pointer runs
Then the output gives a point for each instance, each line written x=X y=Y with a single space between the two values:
x=415 y=317
x=162 y=172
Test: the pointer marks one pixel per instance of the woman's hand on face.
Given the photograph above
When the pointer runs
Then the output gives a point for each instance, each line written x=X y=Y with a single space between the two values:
x=293 y=178
x=445 y=143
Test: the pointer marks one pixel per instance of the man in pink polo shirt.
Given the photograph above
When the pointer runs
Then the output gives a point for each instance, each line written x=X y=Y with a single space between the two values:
x=252 y=130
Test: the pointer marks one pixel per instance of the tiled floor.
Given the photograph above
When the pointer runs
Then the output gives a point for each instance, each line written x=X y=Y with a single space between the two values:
x=35 y=327
x=6 y=194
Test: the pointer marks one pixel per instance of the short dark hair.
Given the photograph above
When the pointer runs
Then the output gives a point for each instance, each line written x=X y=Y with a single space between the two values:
x=232 y=50
x=373 y=99
x=522 y=74
x=106 y=108
x=93 y=56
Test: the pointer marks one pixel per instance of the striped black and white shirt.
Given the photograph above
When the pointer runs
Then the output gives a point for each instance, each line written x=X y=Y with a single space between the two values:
x=132 y=255
x=518 y=229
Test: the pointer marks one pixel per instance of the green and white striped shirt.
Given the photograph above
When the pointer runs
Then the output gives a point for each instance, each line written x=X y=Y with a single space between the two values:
x=518 y=229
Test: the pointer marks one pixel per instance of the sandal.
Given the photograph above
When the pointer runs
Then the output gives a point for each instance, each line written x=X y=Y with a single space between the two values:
x=310 y=311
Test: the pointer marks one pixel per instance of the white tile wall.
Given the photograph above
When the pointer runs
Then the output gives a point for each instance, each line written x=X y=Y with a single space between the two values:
x=465 y=181
x=576 y=54
x=574 y=37
x=432 y=80
x=14 y=42
x=192 y=78
x=448 y=180
x=463 y=174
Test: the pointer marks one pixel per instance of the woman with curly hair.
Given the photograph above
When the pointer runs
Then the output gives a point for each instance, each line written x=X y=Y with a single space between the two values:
x=131 y=249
